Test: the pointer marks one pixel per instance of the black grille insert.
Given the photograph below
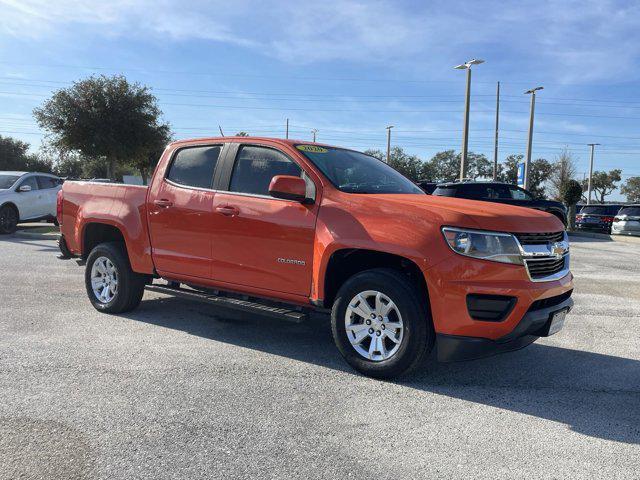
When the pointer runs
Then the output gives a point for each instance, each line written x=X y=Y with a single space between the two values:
x=539 y=238
x=545 y=267
x=550 y=302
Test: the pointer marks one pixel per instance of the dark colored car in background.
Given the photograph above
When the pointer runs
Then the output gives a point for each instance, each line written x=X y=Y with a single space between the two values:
x=427 y=187
x=499 y=192
x=597 y=218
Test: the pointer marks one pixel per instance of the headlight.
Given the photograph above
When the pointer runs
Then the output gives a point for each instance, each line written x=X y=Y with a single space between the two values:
x=493 y=246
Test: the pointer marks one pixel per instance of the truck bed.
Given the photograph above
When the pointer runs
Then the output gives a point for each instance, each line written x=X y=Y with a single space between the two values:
x=121 y=206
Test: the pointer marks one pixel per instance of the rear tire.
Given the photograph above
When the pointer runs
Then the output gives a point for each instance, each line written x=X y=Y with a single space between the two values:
x=111 y=285
x=65 y=253
x=8 y=219
x=396 y=316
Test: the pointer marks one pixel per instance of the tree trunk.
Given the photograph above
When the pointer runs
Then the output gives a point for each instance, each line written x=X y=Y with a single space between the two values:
x=143 y=174
x=111 y=169
x=572 y=217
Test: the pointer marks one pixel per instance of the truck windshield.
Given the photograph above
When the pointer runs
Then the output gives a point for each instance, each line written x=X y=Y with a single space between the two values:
x=355 y=172
x=7 y=180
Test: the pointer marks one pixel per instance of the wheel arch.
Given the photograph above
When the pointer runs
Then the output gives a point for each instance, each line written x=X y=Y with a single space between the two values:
x=95 y=233
x=9 y=203
x=346 y=262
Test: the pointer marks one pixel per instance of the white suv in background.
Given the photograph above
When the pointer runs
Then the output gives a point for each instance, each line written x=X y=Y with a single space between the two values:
x=25 y=197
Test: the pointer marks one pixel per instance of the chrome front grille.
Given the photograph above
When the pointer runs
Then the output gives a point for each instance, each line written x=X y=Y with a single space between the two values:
x=545 y=255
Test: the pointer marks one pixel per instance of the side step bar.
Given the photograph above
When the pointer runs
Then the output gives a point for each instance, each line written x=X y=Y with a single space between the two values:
x=230 y=302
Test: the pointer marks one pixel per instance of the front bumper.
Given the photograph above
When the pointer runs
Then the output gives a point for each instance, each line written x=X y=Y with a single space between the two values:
x=534 y=324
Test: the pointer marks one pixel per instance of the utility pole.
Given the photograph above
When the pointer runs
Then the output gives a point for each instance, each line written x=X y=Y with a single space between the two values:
x=220 y=128
x=389 y=142
x=465 y=130
x=527 y=163
x=314 y=131
x=593 y=146
x=286 y=135
x=495 y=146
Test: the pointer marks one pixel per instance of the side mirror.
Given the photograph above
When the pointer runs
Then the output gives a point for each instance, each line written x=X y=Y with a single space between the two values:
x=24 y=188
x=288 y=187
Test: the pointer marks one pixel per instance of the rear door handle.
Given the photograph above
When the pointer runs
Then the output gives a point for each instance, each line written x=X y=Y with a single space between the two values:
x=163 y=203
x=228 y=210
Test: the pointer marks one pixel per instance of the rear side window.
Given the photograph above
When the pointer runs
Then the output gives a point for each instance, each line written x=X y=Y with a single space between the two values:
x=47 y=182
x=475 y=191
x=194 y=166
x=445 y=192
x=256 y=166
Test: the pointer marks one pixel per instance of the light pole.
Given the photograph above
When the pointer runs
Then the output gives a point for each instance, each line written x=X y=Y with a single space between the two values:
x=495 y=145
x=286 y=135
x=389 y=142
x=593 y=146
x=465 y=130
x=314 y=131
x=527 y=163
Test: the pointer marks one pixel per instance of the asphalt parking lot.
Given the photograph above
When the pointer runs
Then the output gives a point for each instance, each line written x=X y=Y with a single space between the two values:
x=179 y=390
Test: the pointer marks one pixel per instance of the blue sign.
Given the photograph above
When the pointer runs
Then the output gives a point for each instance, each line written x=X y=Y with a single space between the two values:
x=521 y=175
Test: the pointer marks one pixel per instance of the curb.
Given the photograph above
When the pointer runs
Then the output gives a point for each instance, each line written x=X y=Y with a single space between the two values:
x=37 y=236
x=604 y=236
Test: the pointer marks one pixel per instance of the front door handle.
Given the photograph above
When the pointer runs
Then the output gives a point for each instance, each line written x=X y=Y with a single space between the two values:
x=228 y=210
x=163 y=203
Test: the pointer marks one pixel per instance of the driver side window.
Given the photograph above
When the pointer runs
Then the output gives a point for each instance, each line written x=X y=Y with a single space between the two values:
x=31 y=181
x=256 y=166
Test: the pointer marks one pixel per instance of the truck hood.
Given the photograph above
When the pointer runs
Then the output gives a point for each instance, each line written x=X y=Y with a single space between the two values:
x=460 y=212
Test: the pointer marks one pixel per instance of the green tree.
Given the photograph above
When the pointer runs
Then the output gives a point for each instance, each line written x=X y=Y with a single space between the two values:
x=445 y=166
x=242 y=134
x=539 y=173
x=571 y=193
x=603 y=183
x=147 y=159
x=14 y=155
x=104 y=118
x=408 y=165
x=631 y=189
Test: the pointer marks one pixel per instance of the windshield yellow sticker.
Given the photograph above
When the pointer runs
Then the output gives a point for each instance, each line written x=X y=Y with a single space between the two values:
x=311 y=149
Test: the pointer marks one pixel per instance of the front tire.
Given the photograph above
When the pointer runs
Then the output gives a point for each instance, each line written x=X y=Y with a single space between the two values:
x=381 y=323
x=8 y=219
x=111 y=285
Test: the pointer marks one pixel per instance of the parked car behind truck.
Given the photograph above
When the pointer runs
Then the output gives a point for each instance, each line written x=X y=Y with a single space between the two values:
x=598 y=218
x=27 y=197
x=499 y=192
x=282 y=227
x=627 y=221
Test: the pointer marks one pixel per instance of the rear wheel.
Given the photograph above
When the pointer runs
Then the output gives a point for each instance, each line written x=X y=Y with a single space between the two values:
x=8 y=219
x=381 y=324
x=111 y=285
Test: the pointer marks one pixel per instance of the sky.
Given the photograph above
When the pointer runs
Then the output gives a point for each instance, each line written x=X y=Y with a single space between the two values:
x=346 y=68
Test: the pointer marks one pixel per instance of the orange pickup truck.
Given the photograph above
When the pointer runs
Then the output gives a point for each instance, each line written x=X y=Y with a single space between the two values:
x=283 y=227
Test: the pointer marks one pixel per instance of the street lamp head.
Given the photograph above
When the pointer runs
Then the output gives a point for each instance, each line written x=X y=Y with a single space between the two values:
x=533 y=90
x=592 y=144
x=389 y=127
x=468 y=64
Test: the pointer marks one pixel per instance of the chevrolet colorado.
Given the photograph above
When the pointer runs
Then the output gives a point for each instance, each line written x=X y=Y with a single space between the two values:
x=282 y=227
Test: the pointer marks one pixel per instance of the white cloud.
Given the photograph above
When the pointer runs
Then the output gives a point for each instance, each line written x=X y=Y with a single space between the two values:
x=575 y=41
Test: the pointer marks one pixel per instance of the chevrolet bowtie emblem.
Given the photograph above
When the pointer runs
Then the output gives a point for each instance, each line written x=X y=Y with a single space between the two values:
x=558 y=249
